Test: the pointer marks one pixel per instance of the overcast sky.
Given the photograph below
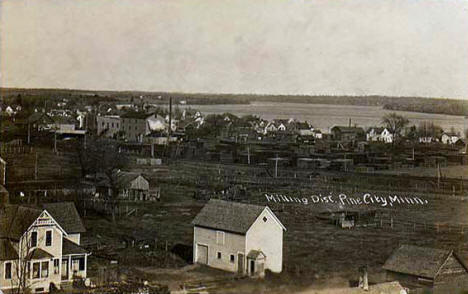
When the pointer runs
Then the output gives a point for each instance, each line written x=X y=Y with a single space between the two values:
x=355 y=47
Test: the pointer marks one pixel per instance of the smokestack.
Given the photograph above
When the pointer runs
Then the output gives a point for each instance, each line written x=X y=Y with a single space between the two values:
x=170 y=121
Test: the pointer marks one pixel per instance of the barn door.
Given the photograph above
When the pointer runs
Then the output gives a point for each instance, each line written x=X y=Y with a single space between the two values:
x=202 y=254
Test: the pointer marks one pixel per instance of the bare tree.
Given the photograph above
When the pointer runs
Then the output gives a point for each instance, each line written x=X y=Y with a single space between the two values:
x=395 y=123
x=19 y=271
x=103 y=155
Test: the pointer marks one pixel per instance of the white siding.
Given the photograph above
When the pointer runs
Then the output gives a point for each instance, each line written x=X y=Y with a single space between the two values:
x=233 y=244
x=268 y=238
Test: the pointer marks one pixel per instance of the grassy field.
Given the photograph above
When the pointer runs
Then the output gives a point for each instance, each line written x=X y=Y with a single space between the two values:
x=315 y=252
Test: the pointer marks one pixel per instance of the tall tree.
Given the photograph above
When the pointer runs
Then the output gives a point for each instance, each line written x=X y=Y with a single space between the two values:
x=102 y=155
x=395 y=123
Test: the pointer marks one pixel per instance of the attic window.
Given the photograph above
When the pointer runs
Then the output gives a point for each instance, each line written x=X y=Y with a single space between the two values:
x=219 y=237
x=265 y=219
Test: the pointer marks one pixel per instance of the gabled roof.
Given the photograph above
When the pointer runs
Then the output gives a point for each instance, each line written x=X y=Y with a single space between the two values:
x=38 y=253
x=68 y=247
x=136 y=115
x=348 y=129
x=66 y=215
x=377 y=130
x=303 y=126
x=15 y=220
x=419 y=261
x=123 y=178
x=228 y=216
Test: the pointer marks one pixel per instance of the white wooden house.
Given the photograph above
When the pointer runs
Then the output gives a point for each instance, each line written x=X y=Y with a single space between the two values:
x=237 y=237
x=41 y=247
x=449 y=138
x=378 y=134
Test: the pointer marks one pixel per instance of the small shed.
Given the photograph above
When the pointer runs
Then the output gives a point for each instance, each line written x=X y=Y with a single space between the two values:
x=415 y=266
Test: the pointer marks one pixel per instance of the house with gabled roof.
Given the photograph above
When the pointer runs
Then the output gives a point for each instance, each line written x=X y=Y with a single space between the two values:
x=41 y=247
x=237 y=237
x=127 y=186
x=415 y=266
x=342 y=133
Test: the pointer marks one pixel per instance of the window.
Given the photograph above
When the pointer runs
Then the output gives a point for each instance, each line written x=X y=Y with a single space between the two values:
x=112 y=124
x=232 y=258
x=36 y=270
x=220 y=237
x=56 y=266
x=219 y=255
x=103 y=124
x=82 y=264
x=44 y=269
x=7 y=270
x=265 y=219
x=48 y=239
x=33 y=239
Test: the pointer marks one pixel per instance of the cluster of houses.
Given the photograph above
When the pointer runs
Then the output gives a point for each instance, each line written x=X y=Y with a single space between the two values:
x=149 y=123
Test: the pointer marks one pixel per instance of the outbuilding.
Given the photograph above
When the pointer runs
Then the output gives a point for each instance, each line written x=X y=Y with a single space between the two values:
x=238 y=237
x=415 y=266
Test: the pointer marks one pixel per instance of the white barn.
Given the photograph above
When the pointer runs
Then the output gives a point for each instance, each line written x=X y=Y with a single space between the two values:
x=237 y=237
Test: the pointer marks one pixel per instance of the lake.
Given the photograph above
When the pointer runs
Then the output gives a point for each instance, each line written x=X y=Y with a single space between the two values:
x=325 y=116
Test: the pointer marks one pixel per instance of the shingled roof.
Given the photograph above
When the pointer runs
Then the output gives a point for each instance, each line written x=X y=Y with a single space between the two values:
x=419 y=261
x=15 y=220
x=68 y=247
x=66 y=215
x=7 y=251
x=229 y=216
x=38 y=253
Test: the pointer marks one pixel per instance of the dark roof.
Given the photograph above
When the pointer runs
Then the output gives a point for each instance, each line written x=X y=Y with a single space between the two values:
x=229 y=216
x=7 y=251
x=68 y=247
x=136 y=115
x=66 y=215
x=348 y=129
x=123 y=178
x=38 y=253
x=255 y=254
x=38 y=116
x=418 y=261
x=377 y=129
x=15 y=220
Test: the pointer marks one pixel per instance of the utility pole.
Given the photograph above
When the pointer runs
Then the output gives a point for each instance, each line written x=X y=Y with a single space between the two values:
x=29 y=132
x=55 y=140
x=276 y=166
x=35 y=168
x=170 y=121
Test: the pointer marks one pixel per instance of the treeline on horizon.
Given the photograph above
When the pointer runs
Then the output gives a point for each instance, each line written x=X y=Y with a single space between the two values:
x=414 y=104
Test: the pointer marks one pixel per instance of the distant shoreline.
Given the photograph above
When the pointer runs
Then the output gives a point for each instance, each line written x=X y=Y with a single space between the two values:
x=445 y=106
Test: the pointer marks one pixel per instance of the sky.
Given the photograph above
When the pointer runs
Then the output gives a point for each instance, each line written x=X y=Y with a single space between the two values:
x=316 y=47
